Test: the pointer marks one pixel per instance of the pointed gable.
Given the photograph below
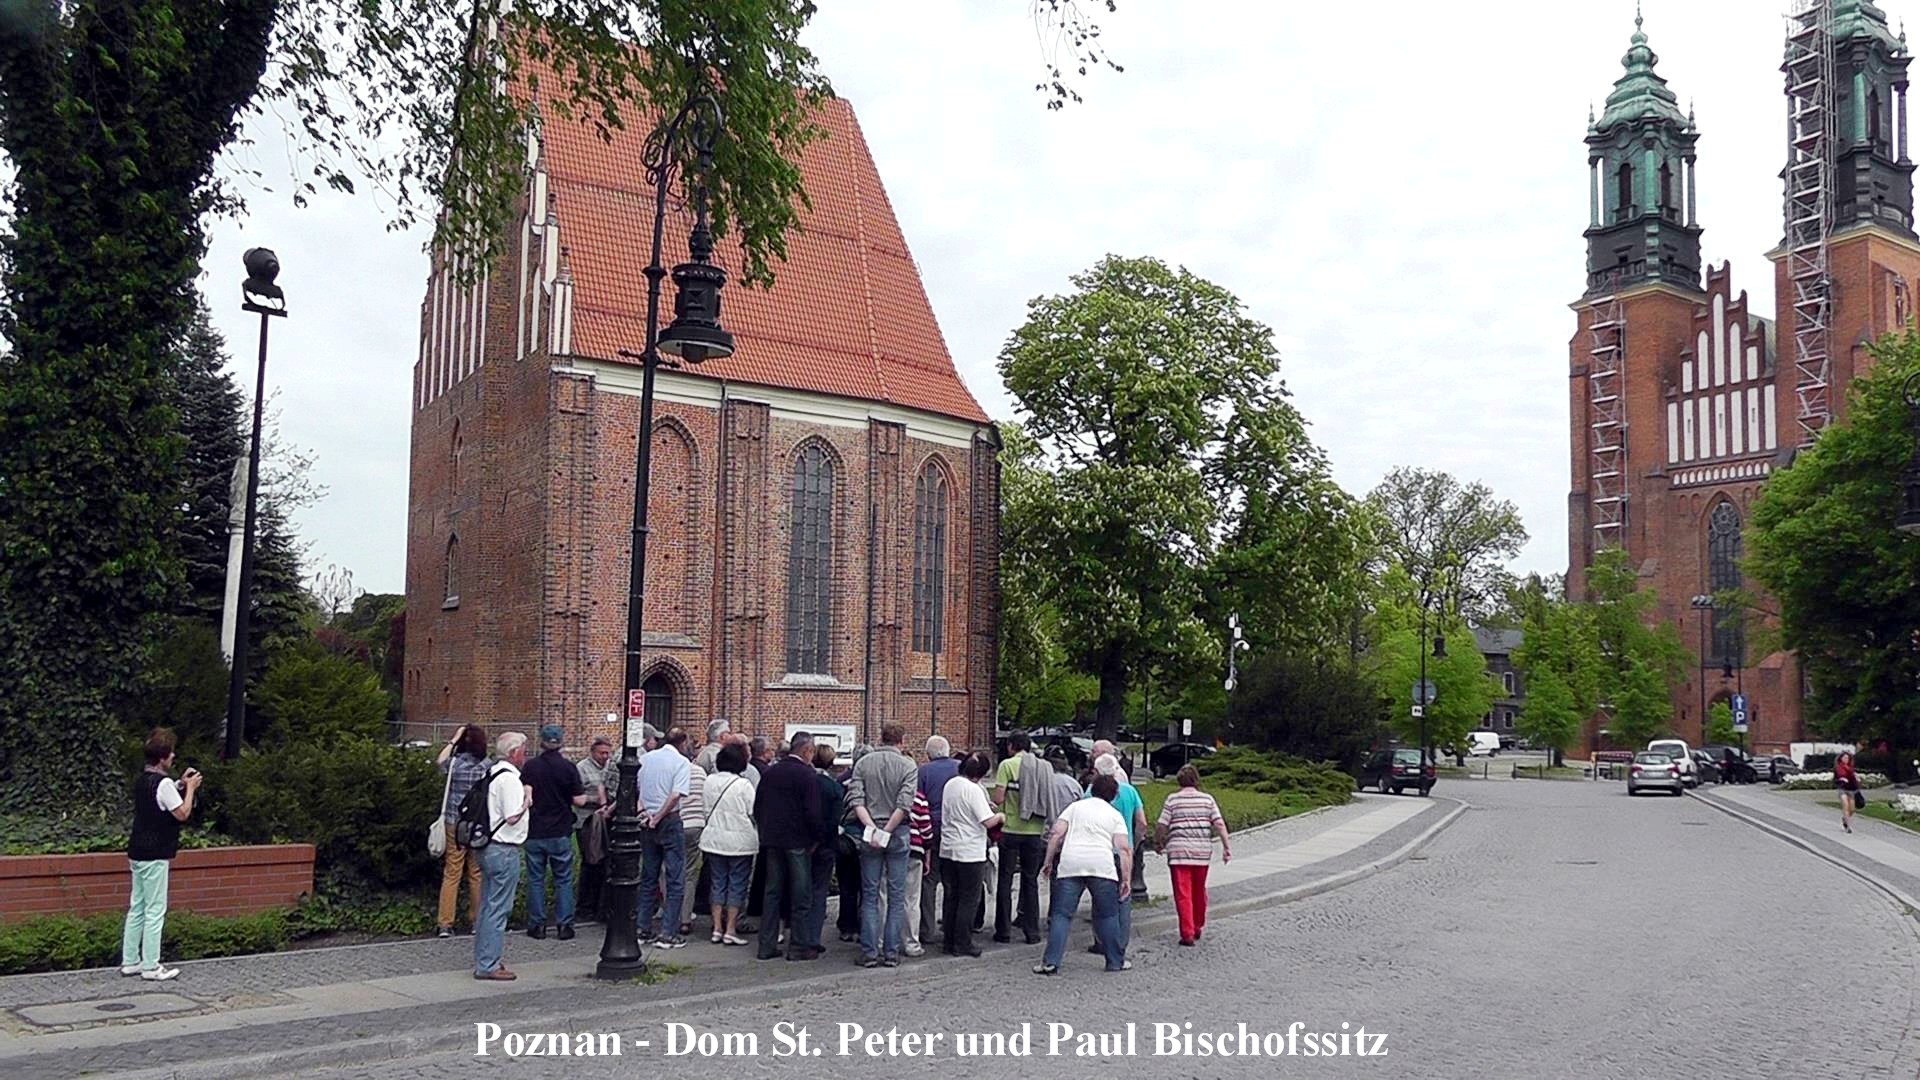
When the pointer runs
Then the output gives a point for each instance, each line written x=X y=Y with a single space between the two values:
x=847 y=314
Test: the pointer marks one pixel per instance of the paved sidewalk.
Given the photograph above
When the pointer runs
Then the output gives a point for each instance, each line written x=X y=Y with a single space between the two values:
x=1885 y=854
x=281 y=1012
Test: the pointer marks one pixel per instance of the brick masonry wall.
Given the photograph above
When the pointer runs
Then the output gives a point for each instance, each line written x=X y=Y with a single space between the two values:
x=206 y=881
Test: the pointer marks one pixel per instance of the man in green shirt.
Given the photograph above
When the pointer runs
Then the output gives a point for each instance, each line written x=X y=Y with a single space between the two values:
x=1023 y=848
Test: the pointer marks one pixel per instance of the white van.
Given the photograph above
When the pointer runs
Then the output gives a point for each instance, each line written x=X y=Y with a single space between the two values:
x=1682 y=755
x=1483 y=742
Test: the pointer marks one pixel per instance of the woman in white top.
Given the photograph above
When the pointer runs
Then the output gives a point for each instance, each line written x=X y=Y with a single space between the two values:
x=965 y=817
x=1080 y=859
x=729 y=841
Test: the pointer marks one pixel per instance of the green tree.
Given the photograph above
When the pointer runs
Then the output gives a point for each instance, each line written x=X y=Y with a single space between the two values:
x=1453 y=540
x=1638 y=663
x=1720 y=724
x=1553 y=717
x=1821 y=542
x=1463 y=689
x=1310 y=704
x=311 y=695
x=1129 y=384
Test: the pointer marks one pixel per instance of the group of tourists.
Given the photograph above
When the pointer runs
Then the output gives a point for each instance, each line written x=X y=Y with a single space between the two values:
x=743 y=830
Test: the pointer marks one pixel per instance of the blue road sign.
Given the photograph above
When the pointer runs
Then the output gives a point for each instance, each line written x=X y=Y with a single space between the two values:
x=1739 y=713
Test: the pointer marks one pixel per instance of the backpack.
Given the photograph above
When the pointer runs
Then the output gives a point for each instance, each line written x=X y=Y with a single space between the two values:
x=470 y=828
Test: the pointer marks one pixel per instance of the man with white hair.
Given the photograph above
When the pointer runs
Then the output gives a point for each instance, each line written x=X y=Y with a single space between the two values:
x=941 y=766
x=1134 y=810
x=716 y=738
x=508 y=801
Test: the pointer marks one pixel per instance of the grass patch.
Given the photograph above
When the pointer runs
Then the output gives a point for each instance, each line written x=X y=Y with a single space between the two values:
x=1242 y=809
x=1881 y=812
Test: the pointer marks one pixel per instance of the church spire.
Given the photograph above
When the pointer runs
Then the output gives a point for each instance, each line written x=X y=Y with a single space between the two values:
x=1642 y=226
x=1873 y=177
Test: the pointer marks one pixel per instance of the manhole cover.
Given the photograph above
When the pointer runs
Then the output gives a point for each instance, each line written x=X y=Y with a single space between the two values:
x=1577 y=862
x=101 y=1010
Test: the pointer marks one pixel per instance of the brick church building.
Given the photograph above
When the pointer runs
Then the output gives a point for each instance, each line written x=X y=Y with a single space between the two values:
x=1684 y=396
x=825 y=502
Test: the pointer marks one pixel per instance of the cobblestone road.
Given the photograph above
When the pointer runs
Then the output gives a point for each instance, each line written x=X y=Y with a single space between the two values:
x=1558 y=929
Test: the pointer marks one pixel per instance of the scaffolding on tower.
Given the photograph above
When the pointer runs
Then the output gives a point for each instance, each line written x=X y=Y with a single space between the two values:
x=1811 y=135
x=1607 y=441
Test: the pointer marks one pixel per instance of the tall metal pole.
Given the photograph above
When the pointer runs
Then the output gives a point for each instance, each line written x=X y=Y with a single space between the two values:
x=620 y=951
x=1423 y=689
x=933 y=680
x=243 y=607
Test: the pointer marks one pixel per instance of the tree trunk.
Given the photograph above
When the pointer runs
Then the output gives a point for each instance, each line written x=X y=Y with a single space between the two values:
x=1111 y=710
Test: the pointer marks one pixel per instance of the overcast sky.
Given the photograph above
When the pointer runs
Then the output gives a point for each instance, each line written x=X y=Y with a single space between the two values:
x=1398 y=188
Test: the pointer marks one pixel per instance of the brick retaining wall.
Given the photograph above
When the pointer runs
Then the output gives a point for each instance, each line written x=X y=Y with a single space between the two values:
x=208 y=881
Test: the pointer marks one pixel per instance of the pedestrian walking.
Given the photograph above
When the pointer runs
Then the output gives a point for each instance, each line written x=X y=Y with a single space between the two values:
x=729 y=841
x=787 y=811
x=509 y=806
x=1088 y=853
x=600 y=777
x=1189 y=820
x=966 y=816
x=1848 y=781
x=464 y=760
x=557 y=792
x=160 y=805
x=930 y=787
x=881 y=795
x=665 y=782
x=833 y=800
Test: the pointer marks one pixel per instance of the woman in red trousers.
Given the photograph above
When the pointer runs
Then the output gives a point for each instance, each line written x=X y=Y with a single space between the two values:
x=1189 y=820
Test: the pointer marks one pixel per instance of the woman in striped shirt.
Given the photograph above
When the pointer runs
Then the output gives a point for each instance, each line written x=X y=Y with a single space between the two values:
x=1188 y=822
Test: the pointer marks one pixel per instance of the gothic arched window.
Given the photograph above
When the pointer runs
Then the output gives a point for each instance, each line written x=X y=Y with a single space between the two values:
x=929 y=557
x=452 y=596
x=1723 y=575
x=810 y=562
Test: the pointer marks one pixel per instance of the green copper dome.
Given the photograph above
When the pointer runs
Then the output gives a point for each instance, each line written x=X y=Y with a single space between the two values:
x=1863 y=18
x=1641 y=93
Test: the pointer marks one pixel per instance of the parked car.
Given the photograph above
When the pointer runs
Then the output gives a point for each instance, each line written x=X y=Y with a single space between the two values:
x=1776 y=767
x=1166 y=760
x=1396 y=771
x=1744 y=771
x=1654 y=771
x=1508 y=742
x=1483 y=742
x=1682 y=755
x=1706 y=767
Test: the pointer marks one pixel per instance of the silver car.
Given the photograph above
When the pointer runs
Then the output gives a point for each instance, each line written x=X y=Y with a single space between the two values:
x=1654 y=771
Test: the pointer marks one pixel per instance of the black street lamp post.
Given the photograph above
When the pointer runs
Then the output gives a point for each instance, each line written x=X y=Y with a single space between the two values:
x=694 y=337
x=257 y=294
x=1704 y=605
x=1426 y=698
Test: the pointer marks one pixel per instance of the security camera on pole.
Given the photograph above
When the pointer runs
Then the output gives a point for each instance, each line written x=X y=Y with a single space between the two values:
x=1235 y=645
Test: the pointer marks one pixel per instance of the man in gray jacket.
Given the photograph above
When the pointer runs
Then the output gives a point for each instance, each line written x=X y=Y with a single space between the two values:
x=880 y=794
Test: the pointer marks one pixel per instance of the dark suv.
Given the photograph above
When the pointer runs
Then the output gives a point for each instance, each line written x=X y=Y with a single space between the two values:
x=1396 y=771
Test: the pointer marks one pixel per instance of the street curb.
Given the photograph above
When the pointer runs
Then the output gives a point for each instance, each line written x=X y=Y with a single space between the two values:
x=399 y=1047
x=1894 y=893
x=1343 y=878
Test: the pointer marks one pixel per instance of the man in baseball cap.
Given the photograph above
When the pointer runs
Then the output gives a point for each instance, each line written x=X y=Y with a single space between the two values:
x=556 y=791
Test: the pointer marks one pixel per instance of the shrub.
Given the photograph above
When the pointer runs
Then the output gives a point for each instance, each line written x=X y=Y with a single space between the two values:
x=1273 y=773
x=69 y=942
x=1809 y=780
x=84 y=832
x=313 y=696
x=365 y=807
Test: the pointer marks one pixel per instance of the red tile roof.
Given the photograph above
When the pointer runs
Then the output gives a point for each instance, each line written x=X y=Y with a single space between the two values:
x=847 y=314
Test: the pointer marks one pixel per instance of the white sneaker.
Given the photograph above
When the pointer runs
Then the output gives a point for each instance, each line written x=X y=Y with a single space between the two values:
x=160 y=974
x=915 y=951
x=129 y=969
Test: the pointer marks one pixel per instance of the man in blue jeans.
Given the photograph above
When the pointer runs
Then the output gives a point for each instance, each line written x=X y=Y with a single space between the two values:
x=556 y=791
x=881 y=795
x=665 y=780
x=509 y=805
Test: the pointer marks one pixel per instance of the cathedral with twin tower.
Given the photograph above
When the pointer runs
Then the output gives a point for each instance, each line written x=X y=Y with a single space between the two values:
x=1685 y=397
